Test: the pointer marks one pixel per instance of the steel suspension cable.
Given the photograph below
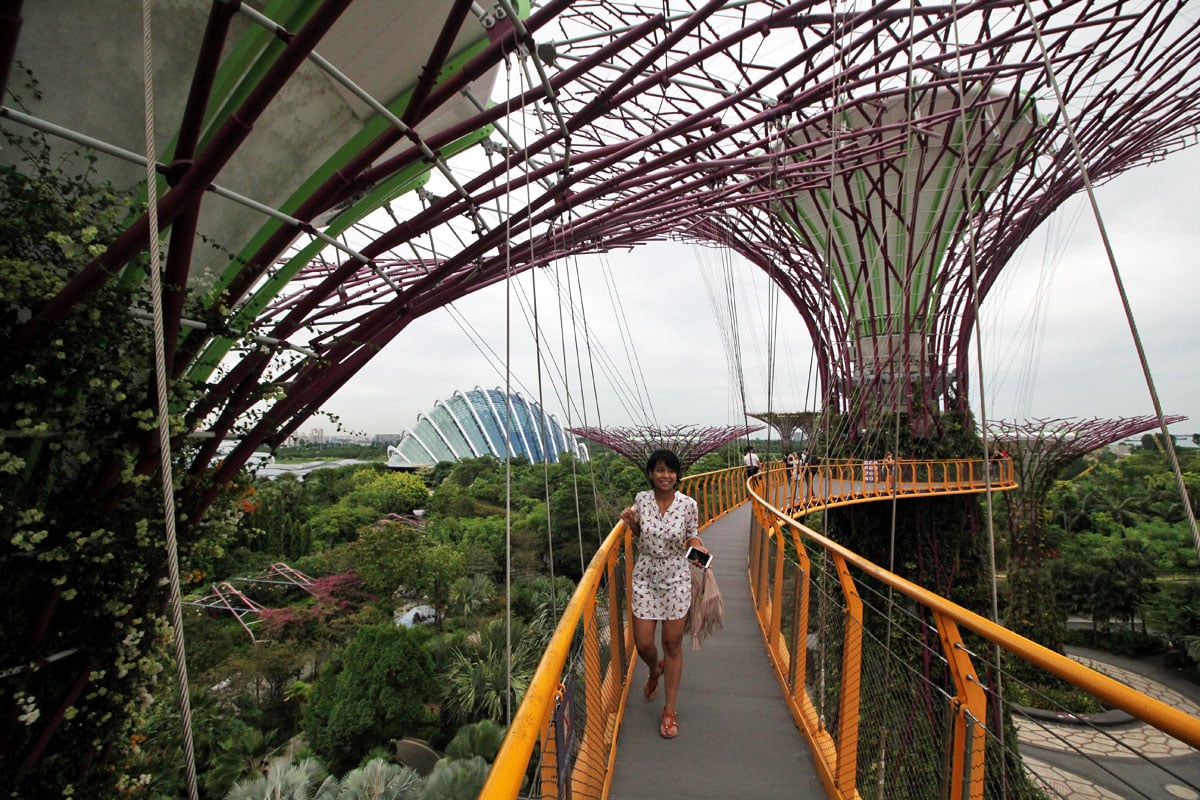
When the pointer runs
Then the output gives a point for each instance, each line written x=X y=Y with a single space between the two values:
x=508 y=417
x=900 y=389
x=1118 y=281
x=537 y=350
x=977 y=337
x=164 y=411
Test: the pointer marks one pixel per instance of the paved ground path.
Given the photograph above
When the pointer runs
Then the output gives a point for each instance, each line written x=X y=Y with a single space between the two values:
x=1109 y=763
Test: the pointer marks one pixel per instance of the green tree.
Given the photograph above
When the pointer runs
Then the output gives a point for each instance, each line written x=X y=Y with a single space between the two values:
x=481 y=738
x=340 y=523
x=374 y=691
x=472 y=594
x=278 y=517
x=391 y=493
x=476 y=684
x=441 y=566
x=389 y=555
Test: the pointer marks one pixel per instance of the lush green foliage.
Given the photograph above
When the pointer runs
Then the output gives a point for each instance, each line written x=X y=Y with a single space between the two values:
x=1118 y=525
x=373 y=691
x=81 y=534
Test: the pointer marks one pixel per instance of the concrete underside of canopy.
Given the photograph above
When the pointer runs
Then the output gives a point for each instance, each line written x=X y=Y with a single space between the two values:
x=80 y=66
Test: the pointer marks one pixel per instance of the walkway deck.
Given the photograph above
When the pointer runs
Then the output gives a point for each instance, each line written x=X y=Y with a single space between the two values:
x=732 y=719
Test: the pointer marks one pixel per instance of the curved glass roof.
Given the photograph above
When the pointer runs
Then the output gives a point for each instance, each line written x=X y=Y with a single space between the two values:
x=473 y=423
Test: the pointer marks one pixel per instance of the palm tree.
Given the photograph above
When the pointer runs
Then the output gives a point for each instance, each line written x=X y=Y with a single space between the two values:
x=477 y=679
x=471 y=594
x=456 y=779
x=239 y=754
x=380 y=779
x=287 y=781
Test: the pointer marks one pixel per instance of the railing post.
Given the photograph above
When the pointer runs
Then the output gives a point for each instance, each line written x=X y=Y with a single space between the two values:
x=846 y=774
x=967 y=751
x=777 y=584
x=798 y=665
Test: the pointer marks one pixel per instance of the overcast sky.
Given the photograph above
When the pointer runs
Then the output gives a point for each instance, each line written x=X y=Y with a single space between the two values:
x=1055 y=339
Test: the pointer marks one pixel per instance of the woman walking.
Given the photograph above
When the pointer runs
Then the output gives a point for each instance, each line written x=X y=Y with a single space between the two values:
x=665 y=521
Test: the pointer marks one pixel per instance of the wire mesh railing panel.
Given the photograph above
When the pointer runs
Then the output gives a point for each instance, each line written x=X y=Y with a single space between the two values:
x=901 y=693
x=906 y=707
x=824 y=642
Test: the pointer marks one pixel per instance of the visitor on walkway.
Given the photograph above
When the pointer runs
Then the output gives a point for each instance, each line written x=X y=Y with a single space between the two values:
x=888 y=466
x=665 y=521
x=752 y=462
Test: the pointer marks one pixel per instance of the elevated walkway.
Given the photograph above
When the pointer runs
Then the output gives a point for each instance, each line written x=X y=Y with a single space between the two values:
x=731 y=723
x=881 y=688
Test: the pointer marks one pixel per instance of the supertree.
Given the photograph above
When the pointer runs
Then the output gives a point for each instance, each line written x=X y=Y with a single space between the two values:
x=788 y=422
x=1040 y=448
x=689 y=442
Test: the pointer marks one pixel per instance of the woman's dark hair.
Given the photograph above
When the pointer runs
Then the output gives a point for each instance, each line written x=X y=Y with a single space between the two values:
x=664 y=457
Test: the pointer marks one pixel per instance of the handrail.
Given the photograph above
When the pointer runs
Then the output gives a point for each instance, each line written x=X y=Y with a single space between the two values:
x=836 y=756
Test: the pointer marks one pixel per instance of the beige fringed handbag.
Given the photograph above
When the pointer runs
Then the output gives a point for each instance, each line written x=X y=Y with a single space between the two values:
x=707 y=613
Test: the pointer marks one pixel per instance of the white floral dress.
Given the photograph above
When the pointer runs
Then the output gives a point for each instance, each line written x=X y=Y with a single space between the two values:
x=662 y=581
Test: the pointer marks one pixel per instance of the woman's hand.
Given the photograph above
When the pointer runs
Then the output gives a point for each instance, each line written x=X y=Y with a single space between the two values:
x=630 y=517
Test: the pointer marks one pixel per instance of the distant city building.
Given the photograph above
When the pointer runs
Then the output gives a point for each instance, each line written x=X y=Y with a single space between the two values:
x=471 y=424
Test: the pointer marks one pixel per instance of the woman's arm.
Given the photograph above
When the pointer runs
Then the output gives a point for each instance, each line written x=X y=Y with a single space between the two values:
x=693 y=535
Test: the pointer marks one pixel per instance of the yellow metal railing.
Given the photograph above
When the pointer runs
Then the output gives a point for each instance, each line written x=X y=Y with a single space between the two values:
x=818 y=606
x=832 y=683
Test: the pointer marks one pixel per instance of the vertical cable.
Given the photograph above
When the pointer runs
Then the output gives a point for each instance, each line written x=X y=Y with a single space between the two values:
x=1168 y=441
x=164 y=419
x=972 y=252
x=508 y=414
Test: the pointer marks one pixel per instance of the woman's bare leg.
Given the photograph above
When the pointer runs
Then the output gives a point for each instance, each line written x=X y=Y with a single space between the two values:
x=643 y=640
x=672 y=645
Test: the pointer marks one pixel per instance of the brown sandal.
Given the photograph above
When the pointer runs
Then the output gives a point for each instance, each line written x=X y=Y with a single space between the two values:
x=669 y=727
x=651 y=687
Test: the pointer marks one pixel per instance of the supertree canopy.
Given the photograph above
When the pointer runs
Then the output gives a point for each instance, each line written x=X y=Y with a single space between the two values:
x=1041 y=447
x=689 y=442
x=788 y=422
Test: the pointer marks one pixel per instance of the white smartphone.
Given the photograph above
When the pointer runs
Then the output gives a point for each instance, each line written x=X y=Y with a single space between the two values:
x=700 y=557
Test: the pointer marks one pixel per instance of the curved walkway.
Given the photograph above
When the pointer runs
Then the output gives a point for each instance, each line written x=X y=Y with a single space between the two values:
x=1076 y=761
x=736 y=737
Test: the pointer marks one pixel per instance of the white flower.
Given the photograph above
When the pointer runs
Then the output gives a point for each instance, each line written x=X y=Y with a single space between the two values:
x=30 y=711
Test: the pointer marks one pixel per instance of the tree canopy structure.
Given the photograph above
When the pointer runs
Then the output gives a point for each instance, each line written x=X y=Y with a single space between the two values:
x=788 y=422
x=689 y=442
x=1041 y=447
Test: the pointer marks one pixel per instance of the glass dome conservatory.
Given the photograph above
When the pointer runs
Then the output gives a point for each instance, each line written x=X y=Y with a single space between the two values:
x=472 y=424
